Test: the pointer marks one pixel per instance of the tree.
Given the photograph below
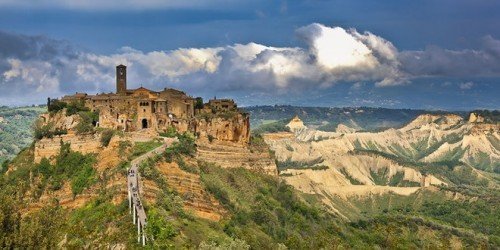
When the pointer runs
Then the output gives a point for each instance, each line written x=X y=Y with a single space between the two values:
x=199 y=103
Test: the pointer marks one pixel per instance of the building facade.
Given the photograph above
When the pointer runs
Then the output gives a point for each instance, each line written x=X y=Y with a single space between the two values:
x=135 y=109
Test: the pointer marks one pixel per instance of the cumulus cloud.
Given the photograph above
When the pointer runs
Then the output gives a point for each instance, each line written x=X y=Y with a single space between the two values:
x=36 y=65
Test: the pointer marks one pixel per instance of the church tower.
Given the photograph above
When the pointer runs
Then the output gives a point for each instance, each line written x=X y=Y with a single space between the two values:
x=121 y=79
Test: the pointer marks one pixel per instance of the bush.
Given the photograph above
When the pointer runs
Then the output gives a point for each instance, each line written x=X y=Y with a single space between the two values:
x=170 y=133
x=40 y=131
x=55 y=106
x=75 y=107
x=86 y=124
x=278 y=126
x=210 y=138
x=185 y=146
x=69 y=166
x=106 y=136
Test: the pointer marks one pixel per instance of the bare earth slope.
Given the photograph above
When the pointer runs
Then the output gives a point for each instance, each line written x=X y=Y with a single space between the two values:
x=347 y=164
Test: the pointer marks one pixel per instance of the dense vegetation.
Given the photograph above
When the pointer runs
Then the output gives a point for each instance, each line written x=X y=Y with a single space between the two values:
x=15 y=129
x=272 y=127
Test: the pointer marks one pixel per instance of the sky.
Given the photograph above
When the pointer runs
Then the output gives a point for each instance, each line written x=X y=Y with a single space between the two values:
x=396 y=53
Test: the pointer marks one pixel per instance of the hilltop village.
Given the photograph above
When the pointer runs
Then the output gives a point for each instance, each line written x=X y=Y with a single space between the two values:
x=139 y=109
x=221 y=129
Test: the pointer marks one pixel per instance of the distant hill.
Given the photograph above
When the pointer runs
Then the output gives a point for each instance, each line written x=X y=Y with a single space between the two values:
x=327 y=119
x=15 y=129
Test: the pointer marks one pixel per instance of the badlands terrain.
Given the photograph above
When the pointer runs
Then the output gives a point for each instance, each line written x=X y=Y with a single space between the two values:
x=430 y=152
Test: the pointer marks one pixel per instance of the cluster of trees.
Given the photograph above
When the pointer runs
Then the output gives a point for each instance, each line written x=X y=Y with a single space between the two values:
x=69 y=166
x=15 y=129
x=273 y=127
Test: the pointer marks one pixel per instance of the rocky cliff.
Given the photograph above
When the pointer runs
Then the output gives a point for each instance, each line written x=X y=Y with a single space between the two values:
x=231 y=155
x=234 y=128
x=49 y=147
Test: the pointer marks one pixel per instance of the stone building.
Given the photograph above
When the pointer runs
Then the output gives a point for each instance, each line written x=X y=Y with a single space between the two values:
x=135 y=109
x=222 y=104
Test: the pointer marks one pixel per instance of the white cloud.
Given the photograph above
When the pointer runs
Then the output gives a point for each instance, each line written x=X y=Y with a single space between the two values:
x=466 y=85
x=330 y=55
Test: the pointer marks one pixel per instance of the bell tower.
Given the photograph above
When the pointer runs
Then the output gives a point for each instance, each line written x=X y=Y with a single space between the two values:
x=121 y=79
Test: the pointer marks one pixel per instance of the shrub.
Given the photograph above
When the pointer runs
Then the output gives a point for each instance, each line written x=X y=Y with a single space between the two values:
x=86 y=123
x=40 y=131
x=210 y=138
x=5 y=166
x=185 y=146
x=75 y=107
x=143 y=147
x=278 y=126
x=161 y=230
x=55 y=106
x=170 y=133
x=106 y=136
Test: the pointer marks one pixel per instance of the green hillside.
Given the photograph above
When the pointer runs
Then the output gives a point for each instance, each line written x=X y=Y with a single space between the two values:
x=263 y=213
x=327 y=118
x=15 y=129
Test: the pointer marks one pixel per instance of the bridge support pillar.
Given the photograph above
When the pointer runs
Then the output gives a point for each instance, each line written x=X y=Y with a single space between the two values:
x=129 y=201
x=143 y=236
x=138 y=232
x=135 y=214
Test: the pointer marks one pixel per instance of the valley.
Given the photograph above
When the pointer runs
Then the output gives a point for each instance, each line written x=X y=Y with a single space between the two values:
x=430 y=183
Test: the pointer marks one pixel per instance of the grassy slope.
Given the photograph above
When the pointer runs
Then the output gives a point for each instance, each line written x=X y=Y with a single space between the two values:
x=263 y=213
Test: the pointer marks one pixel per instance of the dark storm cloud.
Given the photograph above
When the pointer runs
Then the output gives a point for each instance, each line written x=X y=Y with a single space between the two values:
x=436 y=61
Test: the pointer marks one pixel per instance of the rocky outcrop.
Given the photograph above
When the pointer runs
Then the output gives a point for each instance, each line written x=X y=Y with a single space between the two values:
x=49 y=147
x=475 y=118
x=296 y=124
x=235 y=129
x=189 y=187
x=60 y=121
x=343 y=129
x=231 y=155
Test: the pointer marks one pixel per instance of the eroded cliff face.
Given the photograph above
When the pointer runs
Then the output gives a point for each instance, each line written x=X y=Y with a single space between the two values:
x=60 y=121
x=234 y=155
x=49 y=147
x=235 y=129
